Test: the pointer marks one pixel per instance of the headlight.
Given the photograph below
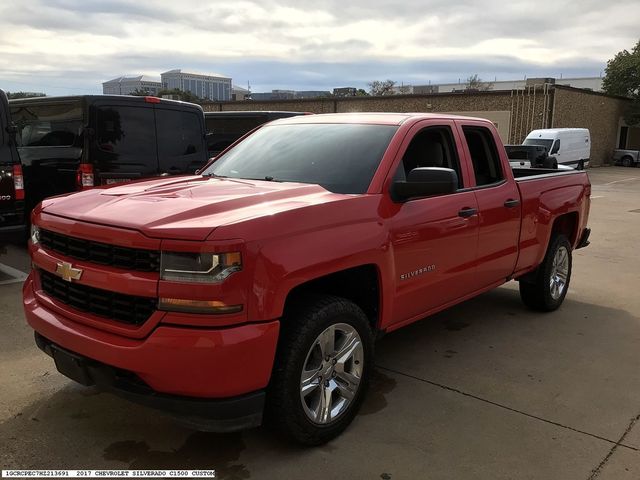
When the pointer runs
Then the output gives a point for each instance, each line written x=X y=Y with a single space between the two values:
x=35 y=234
x=199 y=267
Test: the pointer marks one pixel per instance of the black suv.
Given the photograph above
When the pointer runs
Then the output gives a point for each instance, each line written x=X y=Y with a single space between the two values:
x=12 y=223
x=67 y=144
x=226 y=127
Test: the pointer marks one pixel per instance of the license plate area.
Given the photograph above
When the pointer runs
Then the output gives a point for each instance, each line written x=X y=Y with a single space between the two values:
x=71 y=366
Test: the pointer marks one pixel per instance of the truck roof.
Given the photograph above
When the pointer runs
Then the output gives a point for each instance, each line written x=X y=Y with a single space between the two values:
x=379 y=118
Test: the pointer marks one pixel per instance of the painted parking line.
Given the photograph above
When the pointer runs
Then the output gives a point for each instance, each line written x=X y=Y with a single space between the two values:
x=621 y=181
x=18 y=276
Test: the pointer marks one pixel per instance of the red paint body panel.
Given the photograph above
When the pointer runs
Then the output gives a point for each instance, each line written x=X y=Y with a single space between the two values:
x=289 y=234
x=211 y=363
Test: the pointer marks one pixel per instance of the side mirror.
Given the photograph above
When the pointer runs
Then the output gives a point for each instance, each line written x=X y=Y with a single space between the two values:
x=423 y=182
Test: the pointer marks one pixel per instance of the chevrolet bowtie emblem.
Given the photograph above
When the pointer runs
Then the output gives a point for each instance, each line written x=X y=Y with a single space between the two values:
x=66 y=271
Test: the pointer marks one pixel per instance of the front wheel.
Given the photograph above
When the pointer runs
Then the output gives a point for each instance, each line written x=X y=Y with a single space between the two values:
x=627 y=161
x=322 y=369
x=546 y=289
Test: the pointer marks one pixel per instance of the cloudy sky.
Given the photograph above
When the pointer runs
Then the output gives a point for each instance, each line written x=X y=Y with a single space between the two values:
x=72 y=46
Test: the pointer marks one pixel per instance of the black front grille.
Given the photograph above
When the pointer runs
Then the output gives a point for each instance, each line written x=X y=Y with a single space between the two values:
x=101 y=253
x=115 y=306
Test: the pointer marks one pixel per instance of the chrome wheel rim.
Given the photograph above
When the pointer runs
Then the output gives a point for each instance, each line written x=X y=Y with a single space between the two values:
x=331 y=373
x=559 y=273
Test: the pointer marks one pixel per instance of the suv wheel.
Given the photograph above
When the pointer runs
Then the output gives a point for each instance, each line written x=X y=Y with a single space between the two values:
x=550 y=282
x=322 y=369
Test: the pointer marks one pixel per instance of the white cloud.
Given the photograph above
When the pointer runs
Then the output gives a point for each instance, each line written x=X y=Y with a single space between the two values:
x=41 y=41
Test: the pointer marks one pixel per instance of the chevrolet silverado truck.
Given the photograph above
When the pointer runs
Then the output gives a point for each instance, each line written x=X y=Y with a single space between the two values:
x=259 y=285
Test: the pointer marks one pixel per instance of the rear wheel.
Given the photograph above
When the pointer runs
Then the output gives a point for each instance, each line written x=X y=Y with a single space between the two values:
x=627 y=161
x=322 y=369
x=546 y=289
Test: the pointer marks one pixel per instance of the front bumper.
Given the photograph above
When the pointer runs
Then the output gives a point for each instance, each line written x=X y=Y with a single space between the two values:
x=219 y=415
x=176 y=364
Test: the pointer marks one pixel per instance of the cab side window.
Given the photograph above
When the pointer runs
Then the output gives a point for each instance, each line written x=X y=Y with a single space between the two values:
x=484 y=155
x=431 y=147
x=556 y=147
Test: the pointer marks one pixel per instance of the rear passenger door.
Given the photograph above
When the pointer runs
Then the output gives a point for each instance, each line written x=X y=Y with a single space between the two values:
x=181 y=140
x=124 y=144
x=499 y=209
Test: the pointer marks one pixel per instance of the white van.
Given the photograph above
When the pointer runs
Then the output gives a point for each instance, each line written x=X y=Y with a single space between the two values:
x=570 y=146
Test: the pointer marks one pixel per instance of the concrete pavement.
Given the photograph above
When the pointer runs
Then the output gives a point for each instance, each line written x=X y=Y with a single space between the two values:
x=485 y=390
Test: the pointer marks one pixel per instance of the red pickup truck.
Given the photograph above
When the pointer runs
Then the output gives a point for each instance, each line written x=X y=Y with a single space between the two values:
x=260 y=284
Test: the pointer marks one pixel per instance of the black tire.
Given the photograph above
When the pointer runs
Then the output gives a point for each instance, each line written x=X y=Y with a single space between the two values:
x=302 y=324
x=627 y=161
x=536 y=289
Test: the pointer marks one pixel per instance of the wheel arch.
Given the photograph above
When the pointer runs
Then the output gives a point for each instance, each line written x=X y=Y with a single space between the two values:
x=360 y=284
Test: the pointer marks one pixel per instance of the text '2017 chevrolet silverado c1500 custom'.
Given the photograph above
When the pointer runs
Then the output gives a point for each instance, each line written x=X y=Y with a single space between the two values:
x=259 y=285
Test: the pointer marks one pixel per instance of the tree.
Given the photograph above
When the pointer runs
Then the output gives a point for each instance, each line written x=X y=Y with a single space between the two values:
x=361 y=92
x=622 y=77
x=475 y=83
x=377 y=87
x=138 y=92
x=14 y=95
x=181 y=95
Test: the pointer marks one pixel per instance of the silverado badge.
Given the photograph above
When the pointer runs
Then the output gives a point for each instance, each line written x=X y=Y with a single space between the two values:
x=66 y=271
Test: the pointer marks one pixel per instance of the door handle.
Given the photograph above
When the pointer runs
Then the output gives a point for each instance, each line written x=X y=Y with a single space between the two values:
x=511 y=203
x=467 y=212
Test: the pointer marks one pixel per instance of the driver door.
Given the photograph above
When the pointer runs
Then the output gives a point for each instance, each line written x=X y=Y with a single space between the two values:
x=434 y=239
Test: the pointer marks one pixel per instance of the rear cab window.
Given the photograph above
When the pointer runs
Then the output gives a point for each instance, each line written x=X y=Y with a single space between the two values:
x=485 y=159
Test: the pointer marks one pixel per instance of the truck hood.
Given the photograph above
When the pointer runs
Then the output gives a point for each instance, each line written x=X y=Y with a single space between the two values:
x=187 y=208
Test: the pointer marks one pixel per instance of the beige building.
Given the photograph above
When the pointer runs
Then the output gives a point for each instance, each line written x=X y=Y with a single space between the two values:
x=515 y=112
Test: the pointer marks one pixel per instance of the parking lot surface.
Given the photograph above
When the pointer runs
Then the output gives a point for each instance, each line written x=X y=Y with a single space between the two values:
x=485 y=390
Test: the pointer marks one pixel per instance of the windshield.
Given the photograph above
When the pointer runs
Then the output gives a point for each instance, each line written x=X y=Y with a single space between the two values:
x=538 y=141
x=340 y=157
x=47 y=125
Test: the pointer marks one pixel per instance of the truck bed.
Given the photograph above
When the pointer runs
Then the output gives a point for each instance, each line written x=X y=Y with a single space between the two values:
x=521 y=174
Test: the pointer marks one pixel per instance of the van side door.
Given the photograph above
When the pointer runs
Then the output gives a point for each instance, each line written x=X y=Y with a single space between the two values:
x=499 y=208
x=123 y=146
x=433 y=239
x=181 y=139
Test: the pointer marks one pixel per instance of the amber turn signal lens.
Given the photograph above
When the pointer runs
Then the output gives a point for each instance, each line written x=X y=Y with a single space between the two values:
x=197 y=306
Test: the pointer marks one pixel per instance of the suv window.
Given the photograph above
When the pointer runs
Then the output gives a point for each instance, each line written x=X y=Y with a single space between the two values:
x=431 y=147
x=484 y=155
x=126 y=130
x=179 y=133
x=47 y=125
